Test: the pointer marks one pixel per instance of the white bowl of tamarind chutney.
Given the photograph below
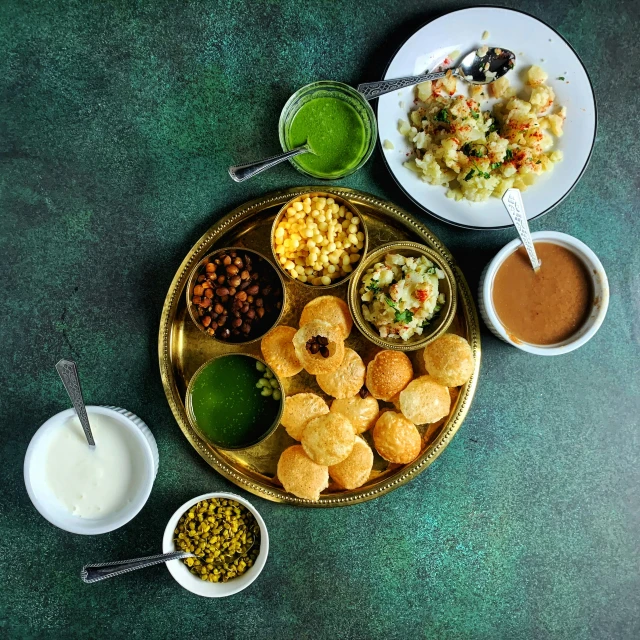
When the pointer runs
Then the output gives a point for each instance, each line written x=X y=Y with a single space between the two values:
x=553 y=310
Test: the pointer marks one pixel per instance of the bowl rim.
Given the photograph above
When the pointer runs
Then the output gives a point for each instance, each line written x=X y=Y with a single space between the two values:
x=191 y=284
x=187 y=580
x=338 y=199
x=69 y=523
x=353 y=93
x=191 y=416
x=356 y=309
x=596 y=270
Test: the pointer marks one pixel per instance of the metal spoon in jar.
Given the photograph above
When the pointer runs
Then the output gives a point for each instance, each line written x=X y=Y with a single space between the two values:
x=68 y=372
x=512 y=201
x=474 y=68
x=241 y=172
x=101 y=571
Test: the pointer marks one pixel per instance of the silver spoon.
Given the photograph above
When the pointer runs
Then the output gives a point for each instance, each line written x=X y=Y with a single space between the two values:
x=103 y=570
x=68 y=372
x=473 y=68
x=241 y=172
x=512 y=201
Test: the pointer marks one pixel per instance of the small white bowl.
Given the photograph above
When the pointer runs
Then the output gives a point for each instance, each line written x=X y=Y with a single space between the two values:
x=144 y=450
x=600 y=287
x=192 y=583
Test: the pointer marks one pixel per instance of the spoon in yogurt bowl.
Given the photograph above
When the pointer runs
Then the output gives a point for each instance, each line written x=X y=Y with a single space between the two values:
x=68 y=372
x=481 y=66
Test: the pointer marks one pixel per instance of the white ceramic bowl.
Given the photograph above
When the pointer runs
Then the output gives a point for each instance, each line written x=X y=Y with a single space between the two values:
x=600 y=293
x=144 y=450
x=192 y=583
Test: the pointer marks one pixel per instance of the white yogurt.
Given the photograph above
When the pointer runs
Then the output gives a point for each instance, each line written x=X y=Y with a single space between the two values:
x=91 y=482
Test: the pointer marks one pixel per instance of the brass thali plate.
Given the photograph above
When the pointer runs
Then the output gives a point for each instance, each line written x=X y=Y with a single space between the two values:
x=183 y=348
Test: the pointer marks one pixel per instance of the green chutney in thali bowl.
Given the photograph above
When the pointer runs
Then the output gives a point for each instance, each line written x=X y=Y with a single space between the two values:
x=234 y=401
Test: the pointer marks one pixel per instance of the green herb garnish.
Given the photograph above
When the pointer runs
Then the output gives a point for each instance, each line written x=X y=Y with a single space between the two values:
x=390 y=302
x=373 y=286
x=442 y=116
x=560 y=77
x=469 y=175
x=404 y=316
x=475 y=114
x=431 y=271
x=495 y=165
x=538 y=161
x=509 y=155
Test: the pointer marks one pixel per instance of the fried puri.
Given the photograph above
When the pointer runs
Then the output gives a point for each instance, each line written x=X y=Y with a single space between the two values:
x=278 y=352
x=313 y=333
x=347 y=379
x=328 y=439
x=299 y=409
x=330 y=309
x=361 y=412
x=425 y=400
x=396 y=439
x=300 y=475
x=355 y=469
x=388 y=374
x=449 y=360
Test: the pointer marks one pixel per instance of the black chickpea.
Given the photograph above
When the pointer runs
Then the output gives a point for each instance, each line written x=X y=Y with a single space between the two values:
x=236 y=295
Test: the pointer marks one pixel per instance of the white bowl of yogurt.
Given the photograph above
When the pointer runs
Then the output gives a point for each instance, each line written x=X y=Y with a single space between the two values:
x=91 y=490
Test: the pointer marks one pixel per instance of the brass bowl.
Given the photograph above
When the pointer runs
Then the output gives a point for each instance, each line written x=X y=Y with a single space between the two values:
x=446 y=286
x=339 y=200
x=193 y=309
x=192 y=418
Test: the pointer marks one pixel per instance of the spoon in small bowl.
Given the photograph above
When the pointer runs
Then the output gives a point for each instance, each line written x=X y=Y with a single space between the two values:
x=512 y=201
x=242 y=172
x=101 y=571
x=68 y=372
x=474 y=68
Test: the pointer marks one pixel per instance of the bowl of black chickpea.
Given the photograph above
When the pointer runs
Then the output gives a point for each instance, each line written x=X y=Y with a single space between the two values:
x=235 y=295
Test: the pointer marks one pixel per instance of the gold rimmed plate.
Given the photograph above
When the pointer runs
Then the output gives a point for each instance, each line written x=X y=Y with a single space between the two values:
x=183 y=348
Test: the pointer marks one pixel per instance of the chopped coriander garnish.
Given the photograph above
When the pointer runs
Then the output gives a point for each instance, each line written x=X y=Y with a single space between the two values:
x=538 y=161
x=493 y=127
x=431 y=270
x=469 y=150
x=475 y=114
x=405 y=316
x=373 y=286
x=560 y=77
x=442 y=116
x=390 y=302
x=509 y=155
x=469 y=175
x=495 y=165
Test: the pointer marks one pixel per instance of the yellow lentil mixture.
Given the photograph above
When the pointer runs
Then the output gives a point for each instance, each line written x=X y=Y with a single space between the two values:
x=224 y=536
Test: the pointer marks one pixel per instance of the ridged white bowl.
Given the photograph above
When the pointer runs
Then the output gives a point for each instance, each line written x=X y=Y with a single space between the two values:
x=192 y=583
x=146 y=454
x=600 y=286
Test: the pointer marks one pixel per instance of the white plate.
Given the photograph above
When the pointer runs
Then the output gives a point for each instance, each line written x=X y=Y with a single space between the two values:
x=533 y=42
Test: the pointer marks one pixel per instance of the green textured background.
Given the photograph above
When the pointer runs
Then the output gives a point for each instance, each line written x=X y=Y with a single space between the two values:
x=117 y=124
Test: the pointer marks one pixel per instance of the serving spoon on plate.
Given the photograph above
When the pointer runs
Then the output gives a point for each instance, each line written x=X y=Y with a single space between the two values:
x=474 y=68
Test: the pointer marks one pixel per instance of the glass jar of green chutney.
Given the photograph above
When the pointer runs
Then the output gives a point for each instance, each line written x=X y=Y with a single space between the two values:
x=336 y=122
